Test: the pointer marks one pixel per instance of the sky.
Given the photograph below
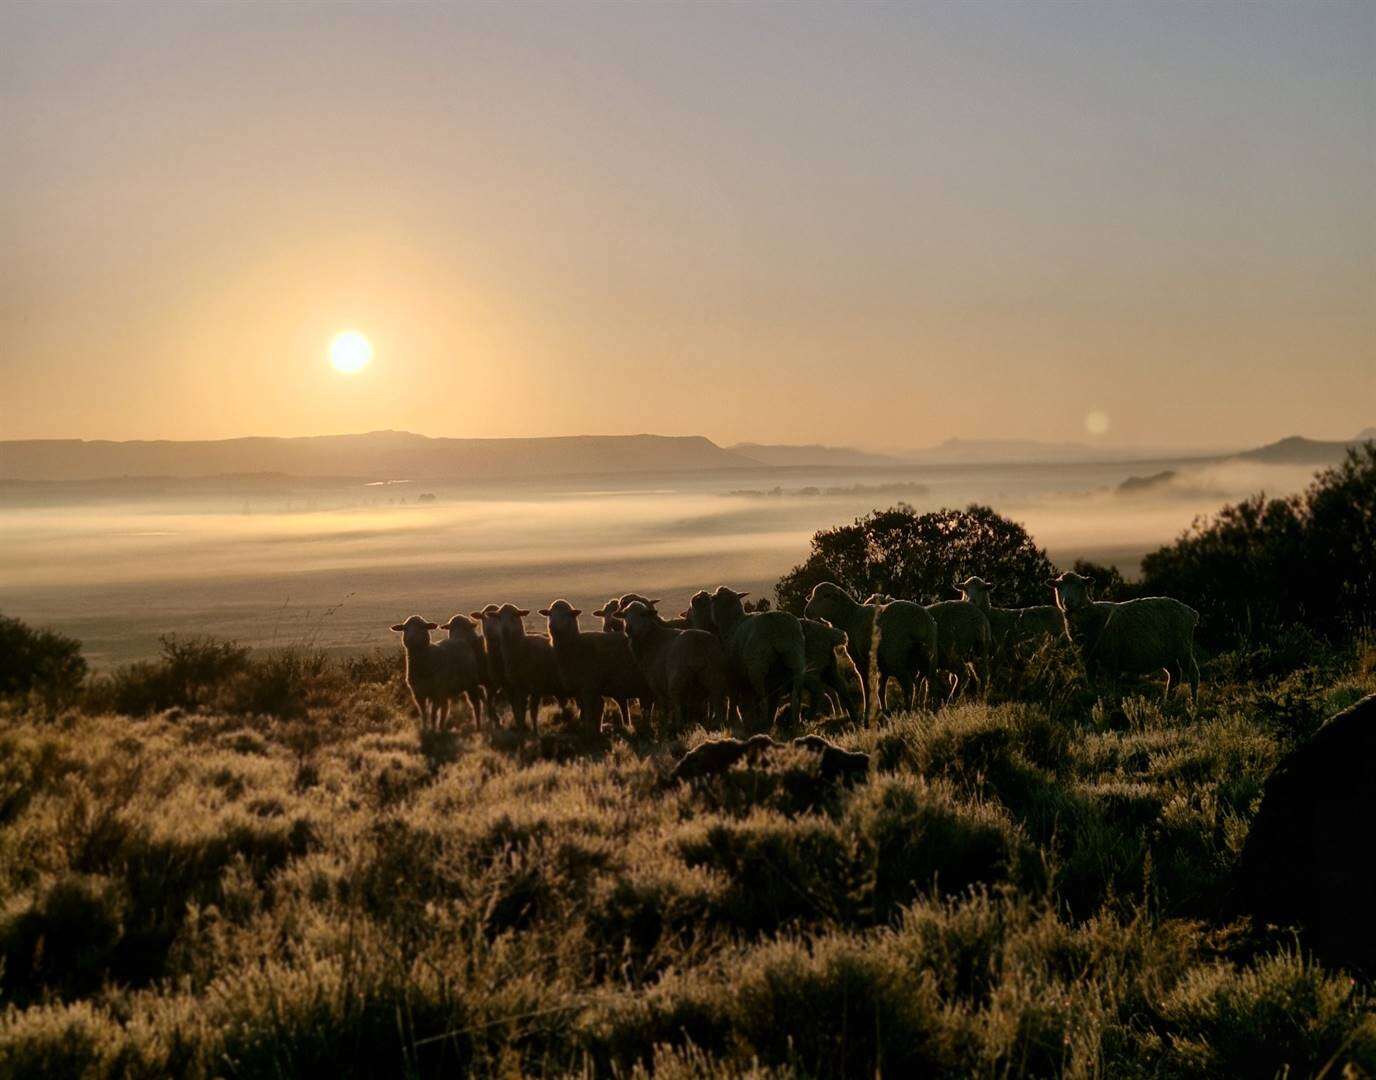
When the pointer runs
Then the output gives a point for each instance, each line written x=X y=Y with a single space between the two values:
x=865 y=224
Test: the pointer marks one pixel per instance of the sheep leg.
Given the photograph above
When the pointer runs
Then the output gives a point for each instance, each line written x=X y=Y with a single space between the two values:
x=475 y=706
x=590 y=711
x=907 y=687
x=623 y=706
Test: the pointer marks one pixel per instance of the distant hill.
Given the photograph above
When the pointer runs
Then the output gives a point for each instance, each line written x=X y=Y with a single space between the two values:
x=812 y=454
x=1366 y=434
x=1297 y=450
x=1024 y=451
x=375 y=455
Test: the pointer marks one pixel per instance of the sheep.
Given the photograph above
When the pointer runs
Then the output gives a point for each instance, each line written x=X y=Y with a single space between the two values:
x=436 y=672
x=699 y=613
x=963 y=641
x=494 y=674
x=824 y=656
x=1134 y=637
x=464 y=628
x=531 y=671
x=1015 y=632
x=593 y=665
x=837 y=763
x=610 y=614
x=961 y=637
x=684 y=668
x=717 y=755
x=895 y=640
x=766 y=652
x=680 y=623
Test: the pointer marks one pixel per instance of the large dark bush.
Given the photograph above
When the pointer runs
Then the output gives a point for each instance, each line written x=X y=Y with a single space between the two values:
x=41 y=660
x=917 y=557
x=1263 y=564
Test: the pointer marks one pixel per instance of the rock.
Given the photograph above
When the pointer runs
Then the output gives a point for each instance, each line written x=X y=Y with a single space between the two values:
x=1310 y=858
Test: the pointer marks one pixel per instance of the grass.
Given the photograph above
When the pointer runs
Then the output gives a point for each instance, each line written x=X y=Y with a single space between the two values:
x=226 y=864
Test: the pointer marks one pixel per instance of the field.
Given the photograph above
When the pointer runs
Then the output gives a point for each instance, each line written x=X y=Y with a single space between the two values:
x=1033 y=887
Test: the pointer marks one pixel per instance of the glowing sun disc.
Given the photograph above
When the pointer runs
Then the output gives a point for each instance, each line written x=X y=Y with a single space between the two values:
x=350 y=352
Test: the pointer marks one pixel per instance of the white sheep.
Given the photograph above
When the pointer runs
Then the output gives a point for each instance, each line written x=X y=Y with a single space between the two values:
x=594 y=664
x=1017 y=632
x=1134 y=637
x=437 y=672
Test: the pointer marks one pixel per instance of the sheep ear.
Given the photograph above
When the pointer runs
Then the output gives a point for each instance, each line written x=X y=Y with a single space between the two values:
x=654 y=602
x=575 y=612
x=600 y=613
x=543 y=611
x=432 y=626
x=684 y=614
x=398 y=628
x=478 y=615
x=523 y=612
x=742 y=595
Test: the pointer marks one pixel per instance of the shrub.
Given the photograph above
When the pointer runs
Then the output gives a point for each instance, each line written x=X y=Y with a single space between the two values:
x=38 y=660
x=1261 y=564
x=189 y=671
x=918 y=557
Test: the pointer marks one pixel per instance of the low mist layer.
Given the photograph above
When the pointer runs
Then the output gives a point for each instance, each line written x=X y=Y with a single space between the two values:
x=332 y=566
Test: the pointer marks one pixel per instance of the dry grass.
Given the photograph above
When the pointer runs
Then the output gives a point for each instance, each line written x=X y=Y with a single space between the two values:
x=234 y=886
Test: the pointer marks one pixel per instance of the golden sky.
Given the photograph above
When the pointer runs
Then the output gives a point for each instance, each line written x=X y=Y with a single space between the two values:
x=865 y=224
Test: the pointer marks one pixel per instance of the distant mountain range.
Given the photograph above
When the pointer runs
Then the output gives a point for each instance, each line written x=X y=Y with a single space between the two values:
x=383 y=455
x=377 y=455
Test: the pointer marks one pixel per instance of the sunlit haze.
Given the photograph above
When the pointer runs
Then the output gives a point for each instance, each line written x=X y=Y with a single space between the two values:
x=864 y=224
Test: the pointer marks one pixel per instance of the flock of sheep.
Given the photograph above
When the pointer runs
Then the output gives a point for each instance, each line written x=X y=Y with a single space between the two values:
x=718 y=661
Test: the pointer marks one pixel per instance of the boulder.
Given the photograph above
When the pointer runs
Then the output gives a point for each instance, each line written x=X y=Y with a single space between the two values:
x=1310 y=857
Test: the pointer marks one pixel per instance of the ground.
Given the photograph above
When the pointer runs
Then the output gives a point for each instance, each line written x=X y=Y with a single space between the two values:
x=1031 y=887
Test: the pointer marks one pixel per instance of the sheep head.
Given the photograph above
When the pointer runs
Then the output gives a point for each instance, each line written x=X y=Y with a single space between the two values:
x=508 y=621
x=829 y=602
x=415 y=632
x=727 y=609
x=563 y=619
x=975 y=590
x=699 y=612
x=640 y=619
x=1072 y=591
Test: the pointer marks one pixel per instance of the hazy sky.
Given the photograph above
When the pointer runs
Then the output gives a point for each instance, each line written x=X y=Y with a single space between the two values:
x=870 y=224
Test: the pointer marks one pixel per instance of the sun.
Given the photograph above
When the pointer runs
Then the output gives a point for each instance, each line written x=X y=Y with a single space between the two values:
x=350 y=352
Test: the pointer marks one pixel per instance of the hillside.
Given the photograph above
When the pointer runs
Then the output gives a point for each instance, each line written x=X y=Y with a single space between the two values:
x=374 y=455
x=1297 y=450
